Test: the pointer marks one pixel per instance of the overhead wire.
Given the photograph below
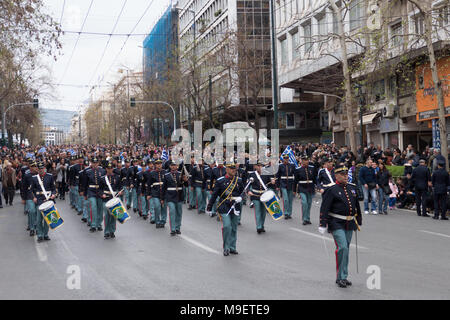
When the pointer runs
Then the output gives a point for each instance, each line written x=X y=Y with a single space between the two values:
x=62 y=12
x=76 y=43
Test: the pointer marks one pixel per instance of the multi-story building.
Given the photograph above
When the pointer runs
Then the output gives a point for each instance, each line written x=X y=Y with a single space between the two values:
x=225 y=50
x=53 y=136
x=311 y=77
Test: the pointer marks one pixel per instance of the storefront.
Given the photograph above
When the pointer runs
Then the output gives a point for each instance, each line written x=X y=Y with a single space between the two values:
x=426 y=98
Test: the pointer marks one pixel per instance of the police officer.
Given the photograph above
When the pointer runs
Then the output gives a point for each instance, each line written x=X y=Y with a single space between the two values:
x=305 y=181
x=441 y=181
x=155 y=194
x=255 y=192
x=285 y=179
x=173 y=197
x=92 y=185
x=325 y=176
x=341 y=213
x=39 y=198
x=228 y=190
x=116 y=185
x=27 y=197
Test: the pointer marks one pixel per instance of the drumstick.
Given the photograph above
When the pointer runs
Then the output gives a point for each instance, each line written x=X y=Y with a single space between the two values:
x=260 y=180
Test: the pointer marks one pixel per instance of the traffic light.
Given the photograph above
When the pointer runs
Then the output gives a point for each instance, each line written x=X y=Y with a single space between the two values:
x=132 y=102
x=36 y=103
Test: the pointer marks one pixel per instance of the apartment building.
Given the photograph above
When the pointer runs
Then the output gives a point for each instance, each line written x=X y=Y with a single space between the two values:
x=310 y=73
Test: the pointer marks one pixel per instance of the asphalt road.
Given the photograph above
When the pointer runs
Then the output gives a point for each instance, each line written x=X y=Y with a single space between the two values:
x=289 y=261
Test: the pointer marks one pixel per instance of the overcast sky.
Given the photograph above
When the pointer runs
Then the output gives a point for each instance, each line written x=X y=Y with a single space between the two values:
x=86 y=67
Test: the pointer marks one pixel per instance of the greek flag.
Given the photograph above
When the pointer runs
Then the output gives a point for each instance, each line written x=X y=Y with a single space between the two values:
x=42 y=150
x=29 y=155
x=164 y=155
x=291 y=156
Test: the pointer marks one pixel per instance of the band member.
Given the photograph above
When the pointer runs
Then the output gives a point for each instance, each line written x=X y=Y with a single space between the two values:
x=39 y=198
x=208 y=191
x=325 y=177
x=255 y=192
x=140 y=191
x=133 y=184
x=92 y=185
x=305 y=180
x=341 y=213
x=173 y=196
x=116 y=185
x=155 y=194
x=126 y=176
x=146 y=176
x=217 y=172
x=285 y=179
x=27 y=197
x=228 y=190
x=74 y=179
x=198 y=184
x=191 y=192
x=83 y=192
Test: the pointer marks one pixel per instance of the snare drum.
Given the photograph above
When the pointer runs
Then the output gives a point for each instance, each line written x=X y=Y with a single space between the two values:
x=272 y=204
x=51 y=215
x=117 y=210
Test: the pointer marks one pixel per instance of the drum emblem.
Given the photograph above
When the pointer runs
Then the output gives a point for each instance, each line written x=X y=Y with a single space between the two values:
x=118 y=212
x=53 y=216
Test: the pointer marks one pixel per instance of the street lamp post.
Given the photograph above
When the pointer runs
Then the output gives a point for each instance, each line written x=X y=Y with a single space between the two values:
x=274 y=66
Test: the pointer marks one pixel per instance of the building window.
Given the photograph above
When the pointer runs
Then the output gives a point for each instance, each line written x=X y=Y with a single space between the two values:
x=356 y=14
x=295 y=44
x=284 y=51
x=379 y=90
x=418 y=23
x=397 y=34
x=307 y=37
x=443 y=16
x=322 y=24
x=290 y=120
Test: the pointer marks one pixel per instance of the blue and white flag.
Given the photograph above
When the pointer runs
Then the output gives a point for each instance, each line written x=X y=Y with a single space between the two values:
x=291 y=154
x=164 y=155
x=29 y=155
x=42 y=150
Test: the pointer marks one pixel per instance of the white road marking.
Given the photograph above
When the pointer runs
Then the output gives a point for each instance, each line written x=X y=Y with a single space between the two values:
x=198 y=244
x=435 y=233
x=40 y=249
x=325 y=237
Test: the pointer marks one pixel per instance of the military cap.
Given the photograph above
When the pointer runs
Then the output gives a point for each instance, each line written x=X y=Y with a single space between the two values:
x=158 y=161
x=41 y=165
x=33 y=163
x=231 y=165
x=304 y=157
x=109 y=165
x=95 y=160
x=127 y=160
x=86 y=162
x=341 y=169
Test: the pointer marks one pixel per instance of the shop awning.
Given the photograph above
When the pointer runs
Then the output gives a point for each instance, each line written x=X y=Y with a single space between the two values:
x=368 y=119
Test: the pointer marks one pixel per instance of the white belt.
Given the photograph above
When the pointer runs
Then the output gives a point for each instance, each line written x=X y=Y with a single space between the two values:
x=287 y=177
x=348 y=218
x=329 y=185
x=173 y=189
x=157 y=184
x=198 y=181
x=307 y=181
x=258 y=191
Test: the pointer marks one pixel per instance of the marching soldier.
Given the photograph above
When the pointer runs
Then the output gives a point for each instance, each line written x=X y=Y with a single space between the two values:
x=255 y=192
x=173 y=197
x=228 y=190
x=133 y=184
x=341 y=213
x=208 y=191
x=146 y=177
x=27 y=196
x=325 y=177
x=191 y=193
x=217 y=172
x=198 y=185
x=116 y=185
x=140 y=190
x=39 y=198
x=155 y=194
x=83 y=194
x=305 y=180
x=285 y=179
x=92 y=185
x=125 y=176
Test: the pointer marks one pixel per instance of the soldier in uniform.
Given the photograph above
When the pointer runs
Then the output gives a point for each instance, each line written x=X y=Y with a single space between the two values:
x=92 y=185
x=146 y=177
x=228 y=190
x=325 y=177
x=255 y=192
x=198 y=184
x=191 y=191
x=208 y=191
x=116 y=185
x=83 y=194
x=217 y=172
x=341 y=213
x=27 y=197
x=173 y=196
x=305 y=180
x=134 y=183
x=155 y=194
x=140 y=190
x=125 y=176
x=285 y=180
x=39 y=198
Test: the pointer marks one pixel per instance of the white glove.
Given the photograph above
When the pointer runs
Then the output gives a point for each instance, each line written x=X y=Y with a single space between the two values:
x=238 y=200
x=322 y=230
